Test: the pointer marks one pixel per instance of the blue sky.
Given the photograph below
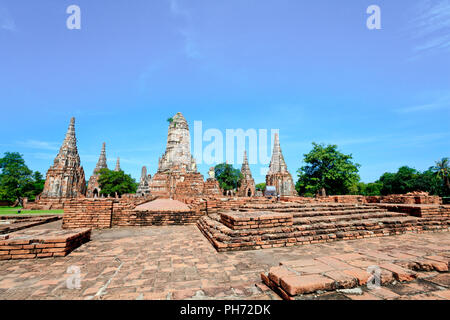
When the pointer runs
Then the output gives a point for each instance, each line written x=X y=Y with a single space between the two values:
x=311 y=69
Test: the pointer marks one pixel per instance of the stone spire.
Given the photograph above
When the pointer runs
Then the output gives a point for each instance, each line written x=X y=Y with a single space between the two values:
x=178 y=151
x=93 y=189
x=70 y=141
x=247 y=188
x=277 y=164
x=65 y=178
x=68 y=153
x=245 y=169
x=144 y=183
x=117 y=169
x=278 y=175
x=144 y=173
x=102 y=163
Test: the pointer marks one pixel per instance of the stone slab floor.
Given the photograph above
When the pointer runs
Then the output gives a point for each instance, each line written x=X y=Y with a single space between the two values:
x=177 y=262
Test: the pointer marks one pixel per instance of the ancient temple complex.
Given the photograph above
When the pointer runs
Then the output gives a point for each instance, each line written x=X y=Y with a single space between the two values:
x=177 y=170
x=247 y=188
x=65 y=178
x=238 y=221
x=278 y=175
x=93 y=189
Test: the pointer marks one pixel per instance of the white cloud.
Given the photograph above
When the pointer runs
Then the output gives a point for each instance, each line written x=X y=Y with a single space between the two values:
x=442 y=102
x=190 y=44
x=36 y=144
x=430 y=27
x=6 y=21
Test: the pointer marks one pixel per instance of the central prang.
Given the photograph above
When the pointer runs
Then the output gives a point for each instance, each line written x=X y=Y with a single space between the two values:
x=178 y=151
x=177 y=174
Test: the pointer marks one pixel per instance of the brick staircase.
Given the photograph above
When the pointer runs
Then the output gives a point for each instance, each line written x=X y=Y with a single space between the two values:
x=258 y=226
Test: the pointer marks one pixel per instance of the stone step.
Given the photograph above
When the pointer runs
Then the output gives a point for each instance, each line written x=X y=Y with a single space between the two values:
x=336 y=213
x=323 y=227
x=303 y=207
x=375 y=225
x=223 y=243
x=347 y=217
x=321 y=211
x=225 y=239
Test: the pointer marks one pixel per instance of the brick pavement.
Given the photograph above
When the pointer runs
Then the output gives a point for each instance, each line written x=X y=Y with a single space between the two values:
x=177 y=262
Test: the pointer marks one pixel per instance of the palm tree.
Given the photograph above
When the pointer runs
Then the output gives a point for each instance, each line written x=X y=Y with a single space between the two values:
x=442 y=169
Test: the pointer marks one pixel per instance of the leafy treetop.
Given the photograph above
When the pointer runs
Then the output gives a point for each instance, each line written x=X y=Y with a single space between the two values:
x=228 y=177
x=112 y=182
x=17 y=181
x=327 y=168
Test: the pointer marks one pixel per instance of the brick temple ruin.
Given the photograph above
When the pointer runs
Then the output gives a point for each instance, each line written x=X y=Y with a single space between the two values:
x=278 y=175
x=65 y=179
x=178 y=194
x=93 y=188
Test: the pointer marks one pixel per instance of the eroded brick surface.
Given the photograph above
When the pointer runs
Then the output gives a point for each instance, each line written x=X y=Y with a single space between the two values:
x=177 y=262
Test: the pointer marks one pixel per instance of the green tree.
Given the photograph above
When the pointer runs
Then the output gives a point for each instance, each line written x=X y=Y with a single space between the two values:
x=404 y=181
x=261 y=186
x=112 y=182
x=16 y=179
x=442 y=170
x=430 y=182
x=228 y=177
x=370 y=189
x=327 y=168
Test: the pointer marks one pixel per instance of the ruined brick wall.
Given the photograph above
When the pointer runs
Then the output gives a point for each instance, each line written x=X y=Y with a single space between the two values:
x=411 y=199
x=421 y=211
x=302 y=199
x=45 y=204
x=211 y=188
x=124 y=214
x=191 y=185
x=217 y=204
x=142 y=218
x=358 y=199
x=89 y=213
x=196 y=204
x=176 y=183
x=108 y=212
x=122 y=208
x=347 y=199
x=31 y=244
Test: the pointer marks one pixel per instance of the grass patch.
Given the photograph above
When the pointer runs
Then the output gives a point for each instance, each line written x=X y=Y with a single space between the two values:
x=13 y=211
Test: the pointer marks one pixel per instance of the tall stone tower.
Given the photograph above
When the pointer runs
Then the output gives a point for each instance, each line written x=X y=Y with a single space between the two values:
x=177 y=171
x=93 y=189
x=178 y=151
x=278 y=175
x=247 y=188
x=65 y=178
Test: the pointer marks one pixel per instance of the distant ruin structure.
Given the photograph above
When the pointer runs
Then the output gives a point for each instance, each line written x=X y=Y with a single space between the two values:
x=278 y=175
x=247 y=188
x=144 y=183
x=65 y=178
x=93 y=189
